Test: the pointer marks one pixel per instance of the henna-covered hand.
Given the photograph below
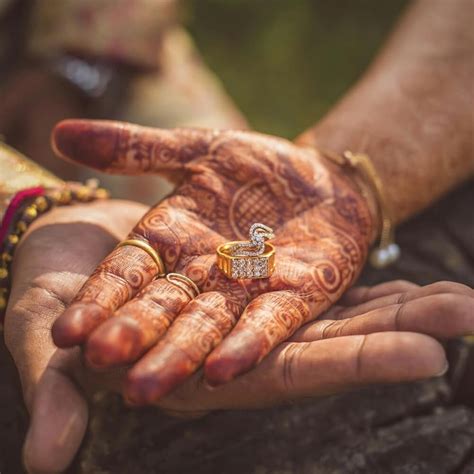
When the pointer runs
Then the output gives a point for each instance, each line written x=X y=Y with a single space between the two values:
x=226 y=180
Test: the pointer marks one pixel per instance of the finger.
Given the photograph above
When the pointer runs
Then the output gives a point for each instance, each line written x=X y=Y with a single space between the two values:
x=442 y=316
x=202 y=325
x=361 y=294
x=58 y=422
x=398 y=298
x=123 y=148
x=116 y=280
x=137 y=325
x=268 y=320
x=306 y=370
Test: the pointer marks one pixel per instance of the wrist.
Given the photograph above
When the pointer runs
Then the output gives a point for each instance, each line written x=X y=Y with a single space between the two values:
x=420 y=146
x=354 y=179
x=408 y=113
x=365 y=176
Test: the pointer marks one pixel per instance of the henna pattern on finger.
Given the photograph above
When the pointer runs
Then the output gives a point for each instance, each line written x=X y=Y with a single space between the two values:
x=136 y=326
x=205 y=321
x=229 y=180
x=115 y=281
x=117 y=147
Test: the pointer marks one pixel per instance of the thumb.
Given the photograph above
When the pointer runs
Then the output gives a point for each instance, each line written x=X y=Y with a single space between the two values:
x=123 y=148
x=59 y=416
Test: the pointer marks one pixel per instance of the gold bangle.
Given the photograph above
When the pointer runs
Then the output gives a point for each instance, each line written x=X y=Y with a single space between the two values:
x=141 y=244
x=387 y=251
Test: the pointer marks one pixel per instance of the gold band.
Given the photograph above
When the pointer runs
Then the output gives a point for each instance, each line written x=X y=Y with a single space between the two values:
x=387 y=251
x=149 y=250
x=183 y=282
x=238 y=266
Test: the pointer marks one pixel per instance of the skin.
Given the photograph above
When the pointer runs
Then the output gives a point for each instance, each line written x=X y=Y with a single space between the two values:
x=411 y=112
x=368 y=337
x=226 y=180
x=346 y=347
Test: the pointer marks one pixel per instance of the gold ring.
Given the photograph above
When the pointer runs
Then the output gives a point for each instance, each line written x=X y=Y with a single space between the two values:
x=149 y=250
x=184 y=283
x=252 y=259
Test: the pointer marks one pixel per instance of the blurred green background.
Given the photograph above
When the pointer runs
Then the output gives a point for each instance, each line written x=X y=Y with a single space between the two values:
x=285 y=62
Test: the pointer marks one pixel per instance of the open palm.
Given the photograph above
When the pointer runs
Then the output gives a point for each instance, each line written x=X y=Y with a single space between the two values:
x=366 y=338
x=226 y=180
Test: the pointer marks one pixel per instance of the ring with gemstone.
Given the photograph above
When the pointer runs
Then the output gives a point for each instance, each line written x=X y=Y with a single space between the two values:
x=252 y=259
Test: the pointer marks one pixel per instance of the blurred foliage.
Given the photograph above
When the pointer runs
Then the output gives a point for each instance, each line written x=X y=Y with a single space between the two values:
x=285 y=62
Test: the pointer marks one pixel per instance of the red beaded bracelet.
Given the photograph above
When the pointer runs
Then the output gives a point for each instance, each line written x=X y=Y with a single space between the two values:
x=15 y=203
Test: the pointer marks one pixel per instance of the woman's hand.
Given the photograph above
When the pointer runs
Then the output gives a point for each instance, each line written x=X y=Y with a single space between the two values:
x=63 y=246
x=227 y=180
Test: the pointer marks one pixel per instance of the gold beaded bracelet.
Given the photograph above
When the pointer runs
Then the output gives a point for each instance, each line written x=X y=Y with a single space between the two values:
x=34 y=208
x=387 y=251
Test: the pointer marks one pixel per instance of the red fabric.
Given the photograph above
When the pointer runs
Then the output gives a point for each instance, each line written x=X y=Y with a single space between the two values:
x=14 y=205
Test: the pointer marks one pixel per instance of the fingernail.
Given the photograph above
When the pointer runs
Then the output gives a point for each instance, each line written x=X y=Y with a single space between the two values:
x=208 y=386
x=92 y=143
x=443 y=372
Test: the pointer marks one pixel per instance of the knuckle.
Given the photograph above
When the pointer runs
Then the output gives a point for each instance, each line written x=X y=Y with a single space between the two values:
x=452 y=287
x=339 y=328
x=358 y=371
x=210 y=301
x=214 y=309
x=329 y=329
x=286 y=382
x=451 y=301
x=400 y=286
x=286 y=379
x=459 y=304
x=398 y=314
x=113 y=277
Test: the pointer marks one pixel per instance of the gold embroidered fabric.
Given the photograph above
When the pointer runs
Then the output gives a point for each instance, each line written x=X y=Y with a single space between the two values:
x=17 y=172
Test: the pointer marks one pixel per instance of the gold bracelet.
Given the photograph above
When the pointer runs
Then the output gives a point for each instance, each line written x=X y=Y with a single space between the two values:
x=387 y=251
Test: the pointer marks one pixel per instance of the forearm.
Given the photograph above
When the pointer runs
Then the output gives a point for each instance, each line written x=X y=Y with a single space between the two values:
x=412 y=111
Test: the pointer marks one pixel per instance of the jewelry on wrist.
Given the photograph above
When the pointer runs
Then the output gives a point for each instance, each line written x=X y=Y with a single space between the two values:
x=24 y=208
x=387 y=251
x=18 y=174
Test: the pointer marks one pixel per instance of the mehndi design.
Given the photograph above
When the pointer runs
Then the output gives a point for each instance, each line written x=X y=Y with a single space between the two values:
x=227 y=180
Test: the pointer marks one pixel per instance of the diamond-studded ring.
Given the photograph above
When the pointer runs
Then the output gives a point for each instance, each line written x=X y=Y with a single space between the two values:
x=253 y=259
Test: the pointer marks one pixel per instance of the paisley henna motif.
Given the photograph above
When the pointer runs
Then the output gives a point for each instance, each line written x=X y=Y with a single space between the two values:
x=227 y=180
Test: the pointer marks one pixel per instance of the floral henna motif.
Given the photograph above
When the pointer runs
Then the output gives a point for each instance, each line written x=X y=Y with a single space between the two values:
x=227 y=181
